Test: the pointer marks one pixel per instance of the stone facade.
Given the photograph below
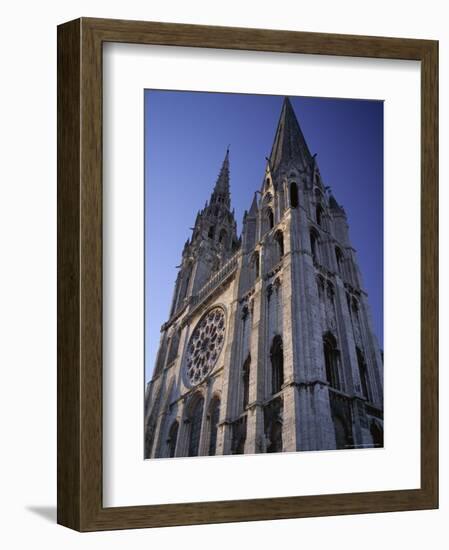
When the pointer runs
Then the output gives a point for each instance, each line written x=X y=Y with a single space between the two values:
x=269 y=345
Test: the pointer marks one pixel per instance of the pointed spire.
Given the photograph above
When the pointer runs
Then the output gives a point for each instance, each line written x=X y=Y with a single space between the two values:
x=216 y=212
x=221 y=189
x=289 y=142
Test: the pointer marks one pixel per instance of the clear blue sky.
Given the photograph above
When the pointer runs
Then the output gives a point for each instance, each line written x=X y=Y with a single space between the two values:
x=186 y=135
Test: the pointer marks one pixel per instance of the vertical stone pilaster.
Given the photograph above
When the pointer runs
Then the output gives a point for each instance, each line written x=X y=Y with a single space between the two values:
x=348 y=359
x=220 y=437
x=254 y=427
x=373 y=358
x=158 y=446
x=226 y=442
x=306 y=304
x=289 y=322
x=156 y=414
x=203 y=447
x=290 y=418
x=181 y=429
x=321 y=416
x=360 y=423
x=186 y=425
x=255 y=430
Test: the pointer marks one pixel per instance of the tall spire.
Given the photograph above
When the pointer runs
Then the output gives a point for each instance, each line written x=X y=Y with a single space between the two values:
x=221 y=193
x=289 y=143
x=216 y=218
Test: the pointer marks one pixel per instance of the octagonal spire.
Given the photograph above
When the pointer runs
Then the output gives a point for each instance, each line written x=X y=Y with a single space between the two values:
x=221 y=192
x=289 y=142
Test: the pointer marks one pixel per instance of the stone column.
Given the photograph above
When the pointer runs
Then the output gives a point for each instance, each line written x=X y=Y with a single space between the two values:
x=255 y=425
x=255 y=437
x=226 y=441
x=228 y=388
x=159 y=413
x=204 y=436
x=317 y=430
x=374 y=363
x=182 y=446
x=348 y=357
x=290 y=410
x=361 y=434
x=160 y=434
x=290 y=334
x=220 y=436
x=314 y=423
x=181 y=428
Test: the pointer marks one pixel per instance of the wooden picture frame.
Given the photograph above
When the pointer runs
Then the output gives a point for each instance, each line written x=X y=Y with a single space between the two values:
x=80 y=504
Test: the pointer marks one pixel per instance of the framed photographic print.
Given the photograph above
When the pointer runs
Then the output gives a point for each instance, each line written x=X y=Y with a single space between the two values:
x=247 y=274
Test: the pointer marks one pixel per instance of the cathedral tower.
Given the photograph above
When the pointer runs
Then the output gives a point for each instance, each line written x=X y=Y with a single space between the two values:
x=269 y=345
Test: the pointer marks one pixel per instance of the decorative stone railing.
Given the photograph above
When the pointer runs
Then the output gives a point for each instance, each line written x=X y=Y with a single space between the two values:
x=228 y=268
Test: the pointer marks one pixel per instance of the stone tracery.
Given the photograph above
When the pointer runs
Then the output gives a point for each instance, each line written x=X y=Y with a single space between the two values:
x=205 y=345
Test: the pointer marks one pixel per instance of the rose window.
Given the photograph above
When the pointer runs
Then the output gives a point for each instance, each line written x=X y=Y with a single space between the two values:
x=205 y=345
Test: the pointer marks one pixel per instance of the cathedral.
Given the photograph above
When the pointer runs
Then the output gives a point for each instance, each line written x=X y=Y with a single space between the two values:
x=269 y=345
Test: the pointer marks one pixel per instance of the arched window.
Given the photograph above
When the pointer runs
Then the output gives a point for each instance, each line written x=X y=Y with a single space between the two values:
x=245 y=376
x=332 y=361
x=238 y=436
x=270 y=218
x=339 y=257
x=319 y=214
x=256 y=264
x=279 y=238
x=320 y=285
x=275 y=437
x=314 y=247
x=267 y=199
x=267 y=183
x=196 y=416
x=185 y=280
x=175 y=293
x=161 y=356
x=267 y=219
x=211 y=232
x=214 y=416
x=174 y=345
x=363 y=373
x=293 y=195
x=277 y=364
x=172 y=438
